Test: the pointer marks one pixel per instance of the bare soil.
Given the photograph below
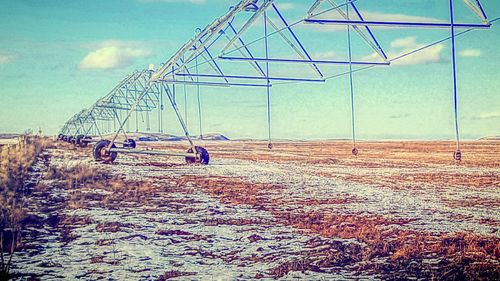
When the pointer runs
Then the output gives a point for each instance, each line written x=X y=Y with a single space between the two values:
x=308 y=210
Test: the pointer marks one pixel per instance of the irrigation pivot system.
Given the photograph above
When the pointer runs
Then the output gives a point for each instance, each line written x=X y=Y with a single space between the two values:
x=254 y=45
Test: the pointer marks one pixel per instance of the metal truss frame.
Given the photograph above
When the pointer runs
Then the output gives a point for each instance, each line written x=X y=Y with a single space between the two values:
x=143 y=91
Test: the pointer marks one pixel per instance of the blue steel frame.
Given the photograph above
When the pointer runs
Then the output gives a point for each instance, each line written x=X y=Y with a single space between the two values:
x=458 y=154
x=304 y=61
x=366 y=27
x=351 y=85
x=398 y=23
x=452 y=25
x=134 y=94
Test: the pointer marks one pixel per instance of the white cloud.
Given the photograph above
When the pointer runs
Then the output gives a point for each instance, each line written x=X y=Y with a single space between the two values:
x=113 y=54
x=487 y=116
x=5 y=59
x=425 y=56
x=405 y=45
x=407 y=42
x=470 y=53
x=285 y=6
x=399 y=116
x=324 y=55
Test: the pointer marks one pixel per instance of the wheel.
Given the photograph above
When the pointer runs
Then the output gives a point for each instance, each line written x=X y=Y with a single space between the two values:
x=65 y=138
x=457 y=155
x=80 y=141
x=101 y=154
x=85 y=141
x=130 y=143
x=355 y=151
x=270 y=146
x=202 y=156
x=72 y=140
x=60 y=137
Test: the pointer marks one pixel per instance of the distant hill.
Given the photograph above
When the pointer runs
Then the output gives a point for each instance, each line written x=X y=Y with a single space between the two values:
x=490 y=138
x=168 y=137
x=9 y=136
x=213 y=136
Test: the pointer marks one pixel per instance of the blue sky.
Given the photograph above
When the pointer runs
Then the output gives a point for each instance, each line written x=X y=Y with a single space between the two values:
x=57 y=57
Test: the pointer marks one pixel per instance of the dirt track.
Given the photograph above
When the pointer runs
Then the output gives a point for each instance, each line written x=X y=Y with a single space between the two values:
x=305 y=209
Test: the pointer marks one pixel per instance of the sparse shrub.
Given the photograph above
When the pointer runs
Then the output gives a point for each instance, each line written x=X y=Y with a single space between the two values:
x=74 y=175
x=73 y=178
x=174 y=274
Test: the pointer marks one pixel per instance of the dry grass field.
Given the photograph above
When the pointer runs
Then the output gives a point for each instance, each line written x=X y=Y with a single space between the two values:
x=307 y=210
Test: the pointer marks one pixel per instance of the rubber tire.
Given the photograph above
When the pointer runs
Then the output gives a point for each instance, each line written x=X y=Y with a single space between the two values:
x=79 y=142
x=204 y=157
x=355 y=151
x=60 y=137
x=130 y=143
x=98 y=153
x=84 y=141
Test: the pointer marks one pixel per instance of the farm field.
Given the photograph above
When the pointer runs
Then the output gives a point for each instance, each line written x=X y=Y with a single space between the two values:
x=306 y=210
x=134 y=140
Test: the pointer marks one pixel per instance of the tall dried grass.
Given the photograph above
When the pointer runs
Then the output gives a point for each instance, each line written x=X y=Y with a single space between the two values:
x=73 y=178
x=15 y=164
x=75 y=175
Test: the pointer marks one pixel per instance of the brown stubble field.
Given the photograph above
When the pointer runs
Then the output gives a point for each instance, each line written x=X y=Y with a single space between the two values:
x=308 y=210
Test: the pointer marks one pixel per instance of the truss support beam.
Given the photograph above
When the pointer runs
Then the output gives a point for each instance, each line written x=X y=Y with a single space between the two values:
x=178 y=114
x=257 y=66
x=276 y=60
x=368 y=30
x=268 y=81
x=296 y=39
x=211 y=30
x=454 y=71
x=397 y=24
x=477 y=9
x=373 y=42
x=481 y=9
x=211 y=84
x=287 y=79
x=351 y=84
x=247 y=25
